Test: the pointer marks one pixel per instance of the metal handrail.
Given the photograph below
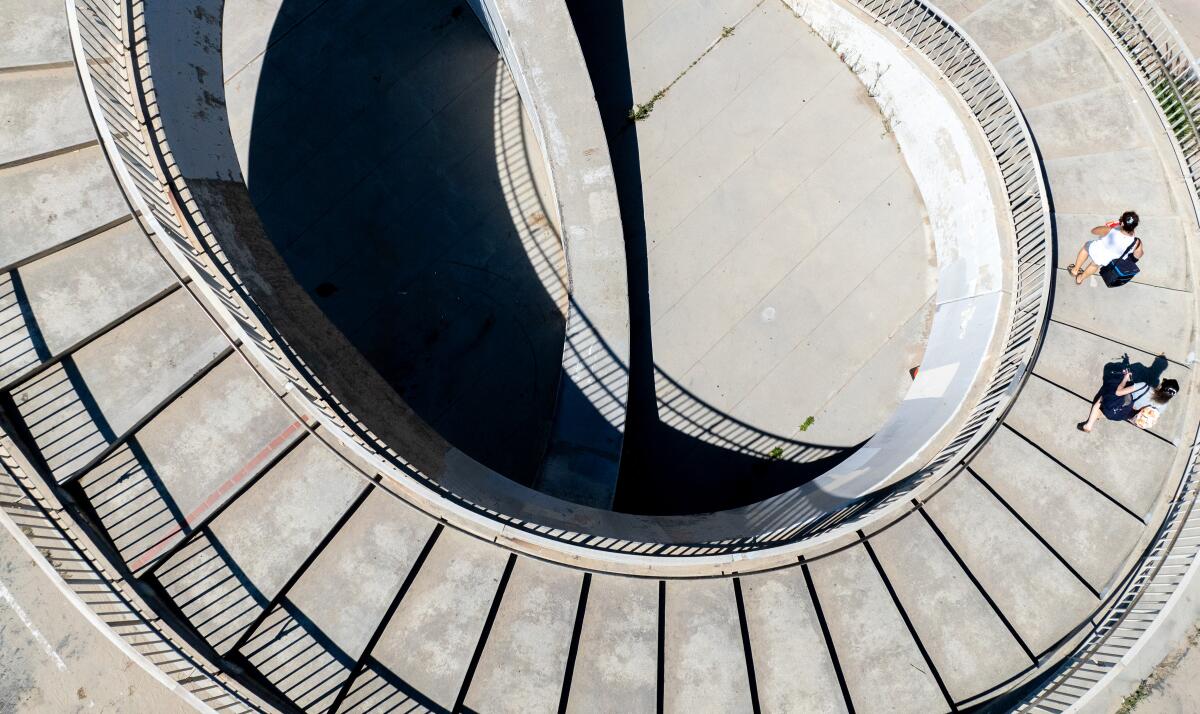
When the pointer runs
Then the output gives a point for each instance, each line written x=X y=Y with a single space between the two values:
x=120 y=90
x=1171 y=76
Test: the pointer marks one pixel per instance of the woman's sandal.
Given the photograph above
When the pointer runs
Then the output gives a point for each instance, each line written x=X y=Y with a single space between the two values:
x=1071 y=270
x=1080 y=426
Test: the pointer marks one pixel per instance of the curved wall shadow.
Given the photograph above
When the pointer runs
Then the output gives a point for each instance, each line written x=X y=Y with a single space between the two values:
x=382 y=161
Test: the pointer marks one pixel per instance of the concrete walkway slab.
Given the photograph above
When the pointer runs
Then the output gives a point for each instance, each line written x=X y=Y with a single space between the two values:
x=522 y=666
x=965 y=638
x=55 y=200
x=1089 y=531
x=35 y=32
x=792 y=666
x=704 y=662
x=1148 y=318
x=27 y=99
x=73 y=293
x=224 y=579
x=884 y=670
x=81 y=405
x=1097 y=122
x=1135 y=463
x=430 y=639
x=1063 y=65
x=1022 y=577
x=617 y=659
x=361 y=570
x=198 y=452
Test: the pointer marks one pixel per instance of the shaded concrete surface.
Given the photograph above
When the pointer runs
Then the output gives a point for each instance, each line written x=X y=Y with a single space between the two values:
x=767 y=213
x=392 y=166
x=52 y=659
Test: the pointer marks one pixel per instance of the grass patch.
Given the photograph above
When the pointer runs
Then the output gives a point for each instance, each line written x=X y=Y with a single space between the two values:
x=1130 y=703
x=807 y=423
x=1177 y=113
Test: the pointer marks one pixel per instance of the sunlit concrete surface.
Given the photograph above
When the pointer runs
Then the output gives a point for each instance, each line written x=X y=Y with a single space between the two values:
x=52 y=659
x=789 y=276
x=1185 y=16
x=781 y=267
x=393 y=167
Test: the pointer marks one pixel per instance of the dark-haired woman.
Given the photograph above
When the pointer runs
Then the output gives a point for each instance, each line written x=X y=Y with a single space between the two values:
x=1137 y=403
x=1114 y=241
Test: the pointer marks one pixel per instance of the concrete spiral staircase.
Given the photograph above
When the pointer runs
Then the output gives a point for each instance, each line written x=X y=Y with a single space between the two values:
x=320 y=590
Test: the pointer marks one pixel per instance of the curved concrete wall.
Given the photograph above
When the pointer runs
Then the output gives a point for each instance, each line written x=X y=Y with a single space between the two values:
x=542 y=51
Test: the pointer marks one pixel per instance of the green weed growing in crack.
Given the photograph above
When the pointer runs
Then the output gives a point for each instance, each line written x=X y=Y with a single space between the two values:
x=640 y=111
x=807 y=423
x=776 y=453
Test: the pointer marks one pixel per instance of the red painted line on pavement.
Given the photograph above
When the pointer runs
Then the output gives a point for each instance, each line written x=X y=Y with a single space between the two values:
x=215 y=497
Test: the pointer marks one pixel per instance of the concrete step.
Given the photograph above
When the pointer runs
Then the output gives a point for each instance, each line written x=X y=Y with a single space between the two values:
x=1118 y=458
x=1164 y=241
x=308 y=645
x=1102 y=181
x=704 y=663
x=792 y=665
x=425 y=651
x=1148 y=318
x=967 y=640
x=232 y=570
x=33 y=32
x=883 y=667
x=1098 y=122
x=51 y=304
x=1087 y=529
x=617 y=660
x=41 y=111
x=81 y=405
x=1006 y=27
x=55 y=200
x=1076 y=361
x=1064 y=64
x=1037 y=594
x=197 y=453
x=525 y=657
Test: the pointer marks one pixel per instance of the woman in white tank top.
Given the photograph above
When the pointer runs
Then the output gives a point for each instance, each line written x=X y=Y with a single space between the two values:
x=1113 y=241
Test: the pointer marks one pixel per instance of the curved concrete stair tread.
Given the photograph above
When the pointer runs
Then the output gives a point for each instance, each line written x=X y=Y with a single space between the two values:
x=1004 y=28
x=229 y=573
x=525 y=657
x=1039 y=596
x=704 y=663
x=56 y=200
x=426 y=648
x=882 y=664
x=42 y=111
x=1121 y=460
x=793 y=668
x=81 y=405
x=1110 y=182
x=33 y=32
x=1145 y=317
x=308 y=646
x=1095 y=122
x=52 y=304
x=1086 y=529
x=1065 y=64
x=616 y=660
x=199 y=452
x=1164 y=240
x=969 y=644
x=1075 y=360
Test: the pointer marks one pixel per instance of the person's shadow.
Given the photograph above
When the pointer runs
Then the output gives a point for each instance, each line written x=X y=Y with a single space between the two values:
x=1137 y=373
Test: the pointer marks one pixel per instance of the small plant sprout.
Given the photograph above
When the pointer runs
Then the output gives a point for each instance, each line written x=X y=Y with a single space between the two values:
x=776 y=453
x=726 y=32
x=807 y=423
